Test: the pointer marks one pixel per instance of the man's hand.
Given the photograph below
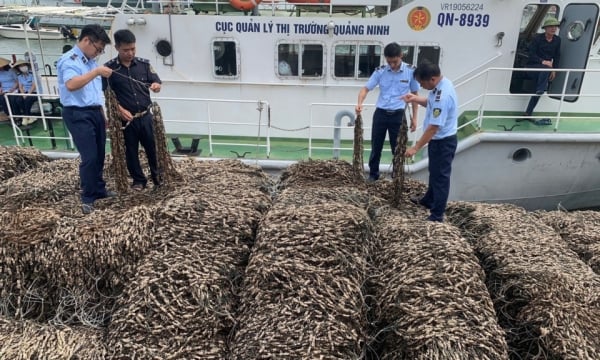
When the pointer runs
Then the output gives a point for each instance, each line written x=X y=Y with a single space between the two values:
x=413 y=125
x=552 y=76
x=103 y=71
x=155 y=87
x=410 y=152
x=125 y=114
x=410 y=97
x=358 y=109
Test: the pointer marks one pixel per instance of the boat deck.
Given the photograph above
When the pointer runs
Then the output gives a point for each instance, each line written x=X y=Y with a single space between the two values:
x=294 y=149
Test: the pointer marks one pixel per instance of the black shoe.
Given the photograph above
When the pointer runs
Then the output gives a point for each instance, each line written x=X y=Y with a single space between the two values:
x=539 y=92
x=431 y=218
x=87 y=208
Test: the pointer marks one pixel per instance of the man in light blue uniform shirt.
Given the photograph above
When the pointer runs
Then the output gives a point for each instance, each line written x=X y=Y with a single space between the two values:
x=440 y=124
x=394 y=80
x=80 y=90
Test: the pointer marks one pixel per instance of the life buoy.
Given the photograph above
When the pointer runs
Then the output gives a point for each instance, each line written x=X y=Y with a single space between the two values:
x=77 y=1
x=244 y=5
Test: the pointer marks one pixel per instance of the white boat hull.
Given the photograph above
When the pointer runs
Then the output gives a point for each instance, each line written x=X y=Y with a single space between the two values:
x=18 y=32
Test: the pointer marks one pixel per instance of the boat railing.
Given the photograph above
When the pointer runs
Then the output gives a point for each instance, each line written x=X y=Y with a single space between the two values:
x=347 y=7
x=335 y=126
x=481 y=100
x=212 y=125
x=47 y=115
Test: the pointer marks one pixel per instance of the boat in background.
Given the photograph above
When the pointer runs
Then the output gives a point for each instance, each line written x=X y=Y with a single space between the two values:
x=26 y=30
x=279 y=84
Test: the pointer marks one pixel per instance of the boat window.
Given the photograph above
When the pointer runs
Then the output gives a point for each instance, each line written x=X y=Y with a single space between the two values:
x=225 y=58
x=303 y=60
x=312 y=60
x=287 y=56
x=429 y=53
x=368 y=59
x=408 y=54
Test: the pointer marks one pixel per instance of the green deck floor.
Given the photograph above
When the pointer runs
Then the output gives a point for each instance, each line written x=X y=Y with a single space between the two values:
x=298 y=149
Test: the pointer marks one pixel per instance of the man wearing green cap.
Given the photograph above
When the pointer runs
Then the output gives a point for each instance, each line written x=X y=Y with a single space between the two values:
x=544 y=53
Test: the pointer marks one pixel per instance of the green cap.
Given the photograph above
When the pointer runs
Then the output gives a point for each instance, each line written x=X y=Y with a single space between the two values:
x=551 y=22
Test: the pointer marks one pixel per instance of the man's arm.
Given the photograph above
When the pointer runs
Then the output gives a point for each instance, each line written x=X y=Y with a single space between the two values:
x=361 y=98
x=424 y=140
x=77 y=82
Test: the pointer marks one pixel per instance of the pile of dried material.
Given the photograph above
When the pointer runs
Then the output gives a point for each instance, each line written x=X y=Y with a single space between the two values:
x=182 y=300
x=53 y=184
x=431 y=298
x=322 y=173
x=581 y=231
x=25 y=340
x=71 y=269
x=302 y=295
x=543 y=293
x=15 y=160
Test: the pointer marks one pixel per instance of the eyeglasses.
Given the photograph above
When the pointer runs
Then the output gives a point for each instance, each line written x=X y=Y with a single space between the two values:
x=99 y=50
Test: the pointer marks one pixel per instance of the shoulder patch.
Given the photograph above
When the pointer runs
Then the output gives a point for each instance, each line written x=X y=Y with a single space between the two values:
x=111 y=62
x=142 y=60
x=380 y=68
x=73 y=56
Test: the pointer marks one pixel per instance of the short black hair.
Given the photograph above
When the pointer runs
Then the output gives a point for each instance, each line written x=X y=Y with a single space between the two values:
x=426 y=70
x=392 y=50
x=124 y=36
x=95 y=33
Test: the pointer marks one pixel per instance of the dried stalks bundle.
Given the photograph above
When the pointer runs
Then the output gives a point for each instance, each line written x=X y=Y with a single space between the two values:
x=225 y=176
x=25 y=340
x=581 y=231
x=431 y=298
x=301 y=295
x=295 y=196
x=27 y=226
x=15 y=160
x=180 y=304
x=88 y=261
x=169 y=174
x=357 y=155
x=323 y=173
x=118 y=167
x=54 y=184
x=527 y=263
x=398 y=162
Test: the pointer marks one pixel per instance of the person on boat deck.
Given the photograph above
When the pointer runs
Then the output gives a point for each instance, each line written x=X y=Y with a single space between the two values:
x=394 y=80
x=8 y=85
x=80 y=91
x=132 y=80
x=544 y=53
x=26 y=86
x=440 y=124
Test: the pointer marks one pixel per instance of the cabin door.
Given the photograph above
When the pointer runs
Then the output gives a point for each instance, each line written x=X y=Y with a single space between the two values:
x=577 y=33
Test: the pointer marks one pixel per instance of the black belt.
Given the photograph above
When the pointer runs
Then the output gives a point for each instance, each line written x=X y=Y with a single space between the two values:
x=84 y=108
x=391 y=112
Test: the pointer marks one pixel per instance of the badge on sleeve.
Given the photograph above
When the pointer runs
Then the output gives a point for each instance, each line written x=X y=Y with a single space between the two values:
x=437 y=112
x=152 y=70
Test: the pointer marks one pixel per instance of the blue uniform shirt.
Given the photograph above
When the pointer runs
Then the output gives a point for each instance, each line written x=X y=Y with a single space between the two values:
x=8 y=80
x=442 y=109
x=392 y=85
x=26 y=80
x=74 y=63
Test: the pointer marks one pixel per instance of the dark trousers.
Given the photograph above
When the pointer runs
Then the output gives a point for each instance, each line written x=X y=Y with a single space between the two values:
x=88 y=129
x=441 y=153
x=383 y=122
x=24 y=104
x=541 y=79
x=4 y=105
x=140 y=131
